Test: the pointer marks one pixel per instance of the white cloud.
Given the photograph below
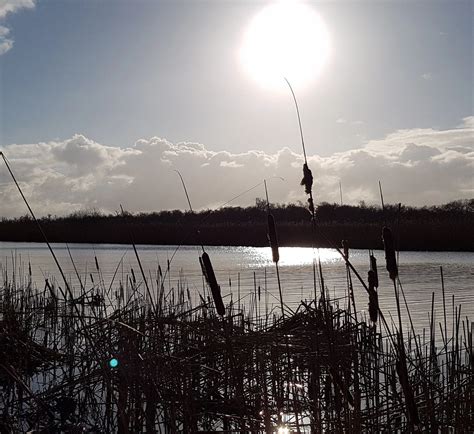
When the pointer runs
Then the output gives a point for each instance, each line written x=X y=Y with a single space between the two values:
x=467 y=122
x=231 y=164
x=9 y=7
x=426 y=76
x=417 y=166
x=5 y=42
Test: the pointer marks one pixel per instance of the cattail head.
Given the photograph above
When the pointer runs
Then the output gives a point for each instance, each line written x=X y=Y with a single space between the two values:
x=345 y=247
x=272 y=238
x=371 y=280
x=390 y=258
x=373 y=297
x=210 y=277
x=373 y=267
x=307 y=180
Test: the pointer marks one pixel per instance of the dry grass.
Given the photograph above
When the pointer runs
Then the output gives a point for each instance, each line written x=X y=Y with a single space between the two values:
x=182 y=368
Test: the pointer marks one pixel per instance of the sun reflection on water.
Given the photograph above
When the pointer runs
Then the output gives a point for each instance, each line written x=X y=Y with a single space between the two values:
x=291 y=256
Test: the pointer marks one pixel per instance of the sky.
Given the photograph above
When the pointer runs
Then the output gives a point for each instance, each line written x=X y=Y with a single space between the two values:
x=101 y=100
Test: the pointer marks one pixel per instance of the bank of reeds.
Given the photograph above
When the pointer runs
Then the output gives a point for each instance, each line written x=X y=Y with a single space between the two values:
x=112 y=360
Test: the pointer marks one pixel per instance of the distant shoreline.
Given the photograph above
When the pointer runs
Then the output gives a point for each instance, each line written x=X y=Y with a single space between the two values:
x=445 y=228
x=413 y=237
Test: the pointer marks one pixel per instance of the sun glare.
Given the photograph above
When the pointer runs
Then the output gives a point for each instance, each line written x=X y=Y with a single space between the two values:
x=285 y=39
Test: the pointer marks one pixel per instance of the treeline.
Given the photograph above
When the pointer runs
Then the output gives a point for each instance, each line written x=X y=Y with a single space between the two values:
x=444 y=227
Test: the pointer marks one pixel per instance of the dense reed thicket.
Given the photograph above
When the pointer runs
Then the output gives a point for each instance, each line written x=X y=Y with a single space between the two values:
x=121 y=359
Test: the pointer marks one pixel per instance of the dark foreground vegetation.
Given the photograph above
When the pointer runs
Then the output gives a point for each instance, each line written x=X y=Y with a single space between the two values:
x=446 y=227
x=123 y=359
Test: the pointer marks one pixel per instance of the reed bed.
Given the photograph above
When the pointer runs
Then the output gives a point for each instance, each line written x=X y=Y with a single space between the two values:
x=134 y=360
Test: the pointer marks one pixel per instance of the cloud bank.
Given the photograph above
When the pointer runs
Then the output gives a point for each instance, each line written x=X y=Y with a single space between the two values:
x=8 y=7
x=416 y=166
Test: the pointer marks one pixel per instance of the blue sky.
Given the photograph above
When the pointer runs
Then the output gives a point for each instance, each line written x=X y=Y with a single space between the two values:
x=119 y=71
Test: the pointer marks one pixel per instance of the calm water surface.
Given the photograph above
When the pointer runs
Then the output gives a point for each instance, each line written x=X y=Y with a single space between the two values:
x=253 y=268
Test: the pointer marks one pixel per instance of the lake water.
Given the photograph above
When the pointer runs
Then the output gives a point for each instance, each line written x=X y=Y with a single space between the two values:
x=253 y=267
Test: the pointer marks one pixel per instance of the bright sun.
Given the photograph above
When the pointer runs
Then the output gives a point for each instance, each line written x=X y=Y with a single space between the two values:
x=285 y=39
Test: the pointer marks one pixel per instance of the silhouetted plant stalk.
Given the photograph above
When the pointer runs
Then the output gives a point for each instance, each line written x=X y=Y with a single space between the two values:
x=206 y=265
x=401 y=364
x=273 y=240
x=350 y=287
x=145 y=280
x=307 y=180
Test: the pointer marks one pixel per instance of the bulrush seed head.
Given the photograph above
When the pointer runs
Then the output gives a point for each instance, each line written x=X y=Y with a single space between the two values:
x=307 y=180
x=272 y=238
x=390 y=257
x=373 y=297
x=210 y=277
x=373 y=267
x=345 y=248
